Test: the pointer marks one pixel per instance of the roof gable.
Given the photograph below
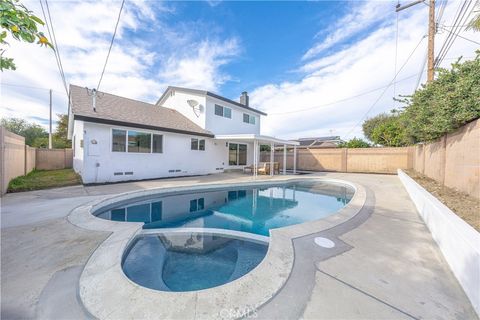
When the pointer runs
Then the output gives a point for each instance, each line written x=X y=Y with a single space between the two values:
x=113 y=109
x=209 y=94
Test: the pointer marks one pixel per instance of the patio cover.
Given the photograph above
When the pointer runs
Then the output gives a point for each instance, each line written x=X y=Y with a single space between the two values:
x=257 y=140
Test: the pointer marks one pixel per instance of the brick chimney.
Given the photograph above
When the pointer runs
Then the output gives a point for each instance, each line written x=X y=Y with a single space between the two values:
x=244 y=98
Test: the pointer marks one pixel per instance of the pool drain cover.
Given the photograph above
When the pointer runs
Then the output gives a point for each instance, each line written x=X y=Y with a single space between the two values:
x=324 y=242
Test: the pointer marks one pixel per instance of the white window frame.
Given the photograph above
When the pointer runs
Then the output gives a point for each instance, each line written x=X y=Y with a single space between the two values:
x=223 y=111
x=126 y=141
x=250 y=118
x=198 y=144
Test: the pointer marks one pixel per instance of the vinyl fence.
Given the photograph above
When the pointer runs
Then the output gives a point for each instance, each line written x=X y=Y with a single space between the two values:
x=18 y=159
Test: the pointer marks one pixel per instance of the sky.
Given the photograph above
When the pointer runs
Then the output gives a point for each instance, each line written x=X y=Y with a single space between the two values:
x=317 y=68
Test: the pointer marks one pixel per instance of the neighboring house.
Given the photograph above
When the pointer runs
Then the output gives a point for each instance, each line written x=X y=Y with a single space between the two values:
x=187 y=132
x=319 y=142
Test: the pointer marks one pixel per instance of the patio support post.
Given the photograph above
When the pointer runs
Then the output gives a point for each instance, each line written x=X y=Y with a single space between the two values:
x=294 y=159
x=272 y=146
x=255 y=157
x=284 y=159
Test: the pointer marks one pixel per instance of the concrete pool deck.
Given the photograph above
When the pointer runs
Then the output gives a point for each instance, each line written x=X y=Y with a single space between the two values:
x=385 y=265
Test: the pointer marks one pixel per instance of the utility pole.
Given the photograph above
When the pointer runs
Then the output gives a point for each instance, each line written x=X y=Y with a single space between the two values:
x=432 y=28
x=50 y=131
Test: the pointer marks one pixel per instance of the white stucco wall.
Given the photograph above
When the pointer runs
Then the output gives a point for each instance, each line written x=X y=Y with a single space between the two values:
x=206 y=117
x=100 y=162
x=235 y=125
x=458 y=241
x=178 y=101
x=78 y=153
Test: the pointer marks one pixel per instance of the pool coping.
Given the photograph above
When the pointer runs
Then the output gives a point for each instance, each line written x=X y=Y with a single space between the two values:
x=107 y=293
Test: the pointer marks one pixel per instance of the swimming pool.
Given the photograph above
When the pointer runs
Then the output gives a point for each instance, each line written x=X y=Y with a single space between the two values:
x=252 y=209
x=190 y=261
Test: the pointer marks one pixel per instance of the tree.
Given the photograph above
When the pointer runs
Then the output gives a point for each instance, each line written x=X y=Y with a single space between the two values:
x=369 y=124
x=25 y=129
x=474 y=24
x=355 y=143
x=60 y=137
x=17 y=20
x=390 y=133
x=445 y=104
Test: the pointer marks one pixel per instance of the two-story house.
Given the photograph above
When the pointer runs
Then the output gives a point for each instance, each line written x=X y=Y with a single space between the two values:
x=187 y=132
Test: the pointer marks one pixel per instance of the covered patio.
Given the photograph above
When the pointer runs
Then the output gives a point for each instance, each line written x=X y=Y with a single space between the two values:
x=258 y=140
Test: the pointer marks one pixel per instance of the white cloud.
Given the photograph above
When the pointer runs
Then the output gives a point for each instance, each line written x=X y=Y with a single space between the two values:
x=361 y=66
x=362 y=17
x=139 y=67
x=199 y=67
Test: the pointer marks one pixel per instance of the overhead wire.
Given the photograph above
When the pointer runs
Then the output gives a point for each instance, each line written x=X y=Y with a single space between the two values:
x=111 y=45
x=460 y=18
x=50 y=35
x=386 y=88
x=57 y=48
x=441 y=10
x=340 y=100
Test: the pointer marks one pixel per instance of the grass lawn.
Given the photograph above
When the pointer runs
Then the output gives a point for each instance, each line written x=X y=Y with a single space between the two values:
x=44 y=179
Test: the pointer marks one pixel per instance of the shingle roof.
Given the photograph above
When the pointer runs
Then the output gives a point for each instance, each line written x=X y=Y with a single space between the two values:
x=112 y=109
x=210 y=94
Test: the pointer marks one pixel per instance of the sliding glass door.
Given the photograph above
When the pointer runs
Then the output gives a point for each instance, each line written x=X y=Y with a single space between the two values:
x=237 y=154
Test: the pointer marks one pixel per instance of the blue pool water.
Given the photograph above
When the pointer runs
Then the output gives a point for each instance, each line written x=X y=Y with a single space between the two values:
x=248 y=209
x=190 y=261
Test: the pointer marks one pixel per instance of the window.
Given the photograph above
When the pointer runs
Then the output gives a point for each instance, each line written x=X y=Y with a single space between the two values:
x=139 y=142
x=248 y=118
x=242 y=154
x=237 y=154
x=157 y=143
x=156 y=211
x=118 y=140
x=223 y=111
x=197 y=144
x=197 y=204
x=117 y=214
x=194 y=144
x=227 y=113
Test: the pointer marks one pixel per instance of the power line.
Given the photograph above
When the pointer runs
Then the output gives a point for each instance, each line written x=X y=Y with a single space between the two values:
x=386 y=88
x=458 y=35
x=57 y=48
x=28 y=87
x=455 y=30
x=111 y=44
x=396 y=55
x=60 y=69
x=341 y=100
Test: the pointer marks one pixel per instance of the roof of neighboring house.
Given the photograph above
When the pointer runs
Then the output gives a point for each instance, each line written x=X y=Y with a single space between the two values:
x=320 y=142
x=115 y=110
x=210 y=94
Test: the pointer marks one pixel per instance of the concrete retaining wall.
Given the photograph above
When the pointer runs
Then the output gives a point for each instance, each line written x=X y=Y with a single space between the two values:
x=458 y=241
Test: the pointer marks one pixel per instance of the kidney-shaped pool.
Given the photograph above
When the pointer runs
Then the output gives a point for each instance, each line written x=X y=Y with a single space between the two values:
x=253 y=209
